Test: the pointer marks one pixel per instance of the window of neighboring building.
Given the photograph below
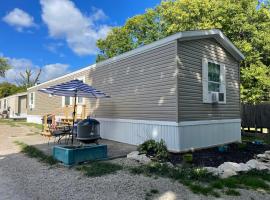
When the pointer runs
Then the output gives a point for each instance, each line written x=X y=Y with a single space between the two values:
x=5 y=104
x=81 y=99
x=66 y=101
x=31 y=100
x=213 y=79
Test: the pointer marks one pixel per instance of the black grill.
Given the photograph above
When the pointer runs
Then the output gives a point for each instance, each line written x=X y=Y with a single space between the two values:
x=88 y=131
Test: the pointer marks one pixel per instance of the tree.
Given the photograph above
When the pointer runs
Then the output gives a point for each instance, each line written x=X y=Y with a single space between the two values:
x=245 y=22
x=7 y=89
x=4 y=66
x=29 y=78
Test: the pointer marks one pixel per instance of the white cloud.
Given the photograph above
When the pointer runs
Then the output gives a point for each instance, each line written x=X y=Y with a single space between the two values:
x=48 y=72
x=98 y=14
x=53 y=71
x=19 y=19
x=65 y=21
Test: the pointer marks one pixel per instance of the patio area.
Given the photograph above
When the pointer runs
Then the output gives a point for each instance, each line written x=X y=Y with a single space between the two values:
x=12 y=131
x=115 y=149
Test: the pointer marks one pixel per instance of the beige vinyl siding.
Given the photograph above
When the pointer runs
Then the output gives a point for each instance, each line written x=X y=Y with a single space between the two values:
x=45 y=104
x=190 y=103
x=142 y=87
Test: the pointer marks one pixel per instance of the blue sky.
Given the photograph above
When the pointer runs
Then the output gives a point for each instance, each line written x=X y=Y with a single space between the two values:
x=59 y=35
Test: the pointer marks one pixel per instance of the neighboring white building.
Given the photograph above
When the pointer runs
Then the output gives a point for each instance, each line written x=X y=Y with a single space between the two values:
x=16 y=105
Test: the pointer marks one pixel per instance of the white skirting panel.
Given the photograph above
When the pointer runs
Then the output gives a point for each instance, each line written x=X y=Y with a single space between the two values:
x=38 y=119
x=179 y=137
x=183 y=136
x=202 y=134
x=34 y=119
x=137 y=131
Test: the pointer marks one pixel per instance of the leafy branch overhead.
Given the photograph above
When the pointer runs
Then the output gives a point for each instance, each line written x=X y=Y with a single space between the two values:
x=245 y=22
x=4 y=66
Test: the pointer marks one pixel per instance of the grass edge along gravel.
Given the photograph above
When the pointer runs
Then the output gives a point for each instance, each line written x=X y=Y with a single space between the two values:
x=199 y=181
x=34 y=152
x=93 y=169
x=18 y=123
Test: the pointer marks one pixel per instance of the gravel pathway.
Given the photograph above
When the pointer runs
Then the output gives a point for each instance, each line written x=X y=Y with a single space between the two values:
x=23 y=178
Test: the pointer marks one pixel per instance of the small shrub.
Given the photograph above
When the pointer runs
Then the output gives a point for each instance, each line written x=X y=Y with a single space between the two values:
x=242 y=146
x=188 y=158
x=153 y=148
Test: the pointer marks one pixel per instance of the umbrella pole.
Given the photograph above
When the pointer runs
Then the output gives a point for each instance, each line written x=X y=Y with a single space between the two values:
x=73 y=121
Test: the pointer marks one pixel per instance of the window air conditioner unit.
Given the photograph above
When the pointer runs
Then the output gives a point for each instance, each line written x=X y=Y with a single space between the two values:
x=214 y=97
x=217 y=97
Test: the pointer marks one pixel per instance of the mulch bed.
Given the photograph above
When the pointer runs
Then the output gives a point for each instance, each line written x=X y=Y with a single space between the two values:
x=212 y=157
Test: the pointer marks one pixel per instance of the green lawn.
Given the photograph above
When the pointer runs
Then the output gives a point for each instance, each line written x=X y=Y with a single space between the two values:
x=34 y=152
x=200 y=181
x=18 y=123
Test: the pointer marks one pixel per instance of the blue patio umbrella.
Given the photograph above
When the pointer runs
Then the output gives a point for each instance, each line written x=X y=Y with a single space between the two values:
x=74 y=88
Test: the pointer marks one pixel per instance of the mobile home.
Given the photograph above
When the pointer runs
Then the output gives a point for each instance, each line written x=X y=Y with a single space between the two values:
x=183 y=89
x=15 y=105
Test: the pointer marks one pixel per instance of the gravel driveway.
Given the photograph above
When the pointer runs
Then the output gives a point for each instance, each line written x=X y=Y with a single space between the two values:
x=23 y=178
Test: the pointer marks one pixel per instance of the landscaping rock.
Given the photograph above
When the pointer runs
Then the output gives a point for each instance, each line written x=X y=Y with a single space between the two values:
x=267 y=152
x=227 y=173
x=263 y=157
x=169 y=164
x=133 y=154
x=212 y=170
x=141 y=158
x=229 y=166
x=254 y=164
x=244 y=167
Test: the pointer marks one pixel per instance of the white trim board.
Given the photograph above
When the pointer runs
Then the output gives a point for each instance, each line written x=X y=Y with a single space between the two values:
x=185 y=35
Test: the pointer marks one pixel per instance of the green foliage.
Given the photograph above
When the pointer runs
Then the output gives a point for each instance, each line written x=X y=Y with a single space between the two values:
x=96 y=169
x=232 y=192
x=255 y=81
x=18 y=123
x=7 y=89
x=188 y=157
x=202 y=182
x=34 y=152
x=4 y=66
x=153 y=148
x=245 y=22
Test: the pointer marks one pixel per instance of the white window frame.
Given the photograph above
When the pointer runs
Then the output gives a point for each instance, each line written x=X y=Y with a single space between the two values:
x=81 y=78
x=63 y=101
x=205 y=81
x=5 y=104
x=32 y=104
